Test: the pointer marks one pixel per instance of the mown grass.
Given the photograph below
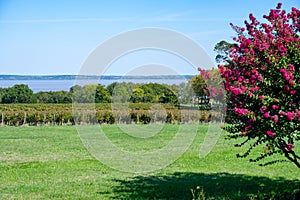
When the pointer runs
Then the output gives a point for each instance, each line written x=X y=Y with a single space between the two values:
x=50 y=162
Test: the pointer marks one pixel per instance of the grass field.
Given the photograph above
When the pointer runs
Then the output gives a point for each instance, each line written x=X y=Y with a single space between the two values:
x=50 y=162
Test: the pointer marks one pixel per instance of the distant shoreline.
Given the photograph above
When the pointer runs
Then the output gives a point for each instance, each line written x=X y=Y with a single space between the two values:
x=64 y=82
x=90 y=77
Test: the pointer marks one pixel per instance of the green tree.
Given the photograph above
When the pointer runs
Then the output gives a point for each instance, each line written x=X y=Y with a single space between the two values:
x=137 y=95
x=222 y=49
x=169 y=97
x=121 y=91
x=43 y=97
x=76 y=92
x=19 y=93
x=102 y=95
x=60 y=97
x=199 y=86
x=111 y=87
x=2 y=92
x=185 y=93
x=85 y=94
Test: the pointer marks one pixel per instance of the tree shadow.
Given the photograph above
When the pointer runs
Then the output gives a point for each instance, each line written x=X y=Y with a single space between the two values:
x=215 y=186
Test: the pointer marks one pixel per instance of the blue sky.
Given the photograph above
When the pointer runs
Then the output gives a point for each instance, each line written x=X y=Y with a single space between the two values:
x=56 y=37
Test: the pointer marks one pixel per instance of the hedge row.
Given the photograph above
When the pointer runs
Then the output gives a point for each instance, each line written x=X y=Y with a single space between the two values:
x=18 y=118
x=69 y=107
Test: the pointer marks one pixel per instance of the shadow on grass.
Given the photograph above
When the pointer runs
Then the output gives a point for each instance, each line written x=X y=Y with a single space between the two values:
x=215 y=186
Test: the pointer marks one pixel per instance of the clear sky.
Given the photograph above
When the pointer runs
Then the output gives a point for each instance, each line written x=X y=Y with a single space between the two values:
x=55 y=37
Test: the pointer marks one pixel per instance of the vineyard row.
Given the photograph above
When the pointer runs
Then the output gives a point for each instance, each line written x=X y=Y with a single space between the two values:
x=18 y=118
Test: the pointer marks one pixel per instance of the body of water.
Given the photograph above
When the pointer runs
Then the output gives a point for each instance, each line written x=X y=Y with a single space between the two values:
x=58 y=85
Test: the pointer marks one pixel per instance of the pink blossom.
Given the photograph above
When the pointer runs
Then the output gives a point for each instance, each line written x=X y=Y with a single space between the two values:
x=289 y=147
x=254 y=77
x=248 y=128
x=281 y=112
x=253 y=89
x=270 y=133
x=275 y=118
x=291 y=67
x=241 y=111
x=291 y=82
x=267 y=114
x=290 y=115
x=298 y=113
x=283 y=71
x=251 y=120
x=293 y=92
x=261 y=97
x=286 y=88
x=259 y=77
x=263 y=109
x=237 y=91
x=275 y=107
x=240 y=79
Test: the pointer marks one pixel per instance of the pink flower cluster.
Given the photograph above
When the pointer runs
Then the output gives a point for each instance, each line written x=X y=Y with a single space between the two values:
x=288 y=76
x=237 y=90
x=270 y=133
x=241 y=111
x=289 y=115
x=289 y=147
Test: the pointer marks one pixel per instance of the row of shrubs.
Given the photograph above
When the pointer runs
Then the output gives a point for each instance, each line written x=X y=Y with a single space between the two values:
x=49 y=107
x=107 y=117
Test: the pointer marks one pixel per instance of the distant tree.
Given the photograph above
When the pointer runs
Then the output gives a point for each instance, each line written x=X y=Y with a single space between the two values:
x=111 y=87
x=148 y=95
x=137 y=95
x=76 y=93
x=172 y=94
x=175 y=89
x=185 y=93
x=121 y=91
x=60 y=97
x=154 y=93
x=222 y=49
x=85 y=94
x=43 y=97
x=199 y=86
x=169 y=96
x=19 y=93
x=2 y=91
x=102 y=95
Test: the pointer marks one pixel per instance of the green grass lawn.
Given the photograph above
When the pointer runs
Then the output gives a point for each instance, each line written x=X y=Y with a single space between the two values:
x=50 y=162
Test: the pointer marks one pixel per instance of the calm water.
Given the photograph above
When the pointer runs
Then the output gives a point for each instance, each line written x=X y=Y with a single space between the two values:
x=57 y=85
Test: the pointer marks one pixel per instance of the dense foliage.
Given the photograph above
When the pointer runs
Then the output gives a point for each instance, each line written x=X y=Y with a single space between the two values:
x=262 y=79
x=96 y=93
x=17 y=94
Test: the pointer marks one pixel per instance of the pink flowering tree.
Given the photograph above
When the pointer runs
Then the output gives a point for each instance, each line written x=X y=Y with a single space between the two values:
x=213 y=82
x=261 y=76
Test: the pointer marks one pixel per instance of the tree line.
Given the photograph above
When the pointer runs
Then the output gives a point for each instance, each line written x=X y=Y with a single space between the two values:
x=97 y=93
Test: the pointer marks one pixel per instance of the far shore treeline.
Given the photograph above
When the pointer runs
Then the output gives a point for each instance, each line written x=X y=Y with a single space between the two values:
x=97 y=93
